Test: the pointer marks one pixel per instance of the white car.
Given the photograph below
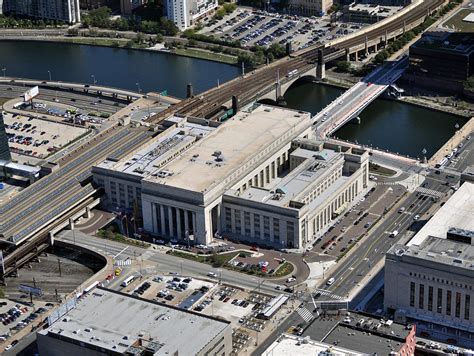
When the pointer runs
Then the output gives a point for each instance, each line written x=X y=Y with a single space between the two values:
x=330 y=281
x=290 y=279
x=8 y=347
x=416 y=217
x=212 y=274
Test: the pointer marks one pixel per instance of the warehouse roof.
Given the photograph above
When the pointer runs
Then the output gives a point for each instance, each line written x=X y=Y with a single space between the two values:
x=115 y=321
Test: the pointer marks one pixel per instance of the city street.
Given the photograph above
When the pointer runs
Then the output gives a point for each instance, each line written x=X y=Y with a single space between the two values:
x=167 y=263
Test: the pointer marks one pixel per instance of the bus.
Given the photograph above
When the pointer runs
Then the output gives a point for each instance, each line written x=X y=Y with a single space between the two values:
x=92 y=286
x=441 y=163
x=127 y=281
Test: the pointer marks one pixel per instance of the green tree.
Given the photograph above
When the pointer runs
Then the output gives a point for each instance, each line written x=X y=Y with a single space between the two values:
x=73 y=32
x=343 y=66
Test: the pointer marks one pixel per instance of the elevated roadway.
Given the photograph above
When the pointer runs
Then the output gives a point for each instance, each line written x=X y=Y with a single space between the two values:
x=347 y=106
x=86 y=88
x=257 y=83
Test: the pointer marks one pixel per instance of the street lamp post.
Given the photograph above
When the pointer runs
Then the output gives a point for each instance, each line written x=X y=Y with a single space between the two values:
x=93 y=79
x=456 y=126
x=49 y=73
x=138 y=87
x=423 y=152
x=4 y=70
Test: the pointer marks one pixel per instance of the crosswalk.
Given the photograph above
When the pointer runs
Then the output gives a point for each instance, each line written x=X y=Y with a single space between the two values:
x=430 y=192
x=328 y=294
x=388 y=183
x=305 y=314
x=123 y=262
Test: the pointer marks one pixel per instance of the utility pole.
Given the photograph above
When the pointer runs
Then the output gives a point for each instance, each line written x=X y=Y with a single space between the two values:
x=59 y=266
x=243 y=69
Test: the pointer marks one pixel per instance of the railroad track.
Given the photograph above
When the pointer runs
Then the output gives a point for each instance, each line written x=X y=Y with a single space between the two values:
x=247 y=88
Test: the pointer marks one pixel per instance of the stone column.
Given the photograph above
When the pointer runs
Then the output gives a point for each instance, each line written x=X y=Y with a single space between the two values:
x=186 y=223
x=162 y=215
x=178 y=223
x=170 y=222
x=153 y=218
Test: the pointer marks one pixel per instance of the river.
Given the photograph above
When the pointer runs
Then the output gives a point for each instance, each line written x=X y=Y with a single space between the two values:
x=386 y=124
x=115 y=67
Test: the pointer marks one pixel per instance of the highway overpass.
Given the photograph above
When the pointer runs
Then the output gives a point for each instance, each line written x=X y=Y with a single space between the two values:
x=258 y=83
x=86 y=88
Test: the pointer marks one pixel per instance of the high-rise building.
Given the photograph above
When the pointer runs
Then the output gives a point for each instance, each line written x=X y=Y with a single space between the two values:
x=4 y=149
x=186 y=13
x=59 y=10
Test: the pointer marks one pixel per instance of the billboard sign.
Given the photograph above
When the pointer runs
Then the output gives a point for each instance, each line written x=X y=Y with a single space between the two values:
x=29 y=289
x=30 y=94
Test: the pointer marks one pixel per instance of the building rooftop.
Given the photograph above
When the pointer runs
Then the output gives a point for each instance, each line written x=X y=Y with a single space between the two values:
x=457 y=212
x=254 y=132
x=294 y=345
x=282 y=190
x=457 y=42
x=374 y=9
x=150 y=158
x=440 y=250
x=119 y=322
x=365 y=339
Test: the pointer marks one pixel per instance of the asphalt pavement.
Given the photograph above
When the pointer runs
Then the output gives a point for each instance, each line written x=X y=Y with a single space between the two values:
x=168 y=263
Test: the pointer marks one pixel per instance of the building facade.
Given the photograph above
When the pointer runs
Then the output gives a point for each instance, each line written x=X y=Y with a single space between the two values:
x=94 y=4
x=431 y=279
x=432 y=282
x=186 y=13
x=367 y=13
x=310 y=7
x=5 y=154
x=127 y=6
x=56 y=10
x=446 y=59
x=258 y=178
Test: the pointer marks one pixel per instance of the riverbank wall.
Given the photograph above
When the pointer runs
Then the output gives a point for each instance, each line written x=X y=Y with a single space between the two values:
x=190 y=52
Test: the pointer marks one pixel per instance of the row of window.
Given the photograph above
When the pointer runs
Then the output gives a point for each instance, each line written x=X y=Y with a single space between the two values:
x=440 y=295
x=323 y=218
x=441 y=280
x=261 y=226
x=267 y=174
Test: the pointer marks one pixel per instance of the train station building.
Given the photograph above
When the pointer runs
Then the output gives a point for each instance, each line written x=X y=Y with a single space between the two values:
x=259 y=177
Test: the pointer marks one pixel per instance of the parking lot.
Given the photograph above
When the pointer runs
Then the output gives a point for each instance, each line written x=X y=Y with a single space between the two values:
x=261 y=28
x=15 y=317
x=38 y=138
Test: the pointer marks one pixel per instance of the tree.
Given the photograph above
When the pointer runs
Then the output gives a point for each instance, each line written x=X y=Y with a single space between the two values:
x=159 y=38
x=73 y=32
x=343 y=66
x=140 y=38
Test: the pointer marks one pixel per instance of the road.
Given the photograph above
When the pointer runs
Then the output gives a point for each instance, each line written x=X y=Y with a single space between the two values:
x=354 y=100
x=354 y=271
x=80 y=100
x=125 y=94
x=167 y=263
